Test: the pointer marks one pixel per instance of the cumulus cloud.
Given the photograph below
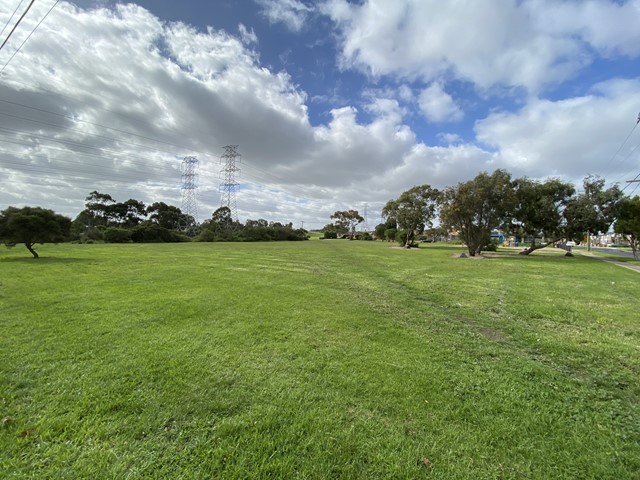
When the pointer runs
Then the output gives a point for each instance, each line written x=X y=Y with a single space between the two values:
x=528 y=44
x=438 y=106
x=113 y=98
x=570 y=137
x=119 y=97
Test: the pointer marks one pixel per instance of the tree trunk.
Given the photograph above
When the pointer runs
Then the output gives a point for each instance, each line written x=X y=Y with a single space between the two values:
x=534 y=247
x=30 y=248
x=409 y=241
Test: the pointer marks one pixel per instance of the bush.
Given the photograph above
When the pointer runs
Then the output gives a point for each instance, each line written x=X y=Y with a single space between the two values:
x=117 y=235
x=206 y=235
x=390 y=234
x=153 y=233
x=330 y=235
x=492 y=246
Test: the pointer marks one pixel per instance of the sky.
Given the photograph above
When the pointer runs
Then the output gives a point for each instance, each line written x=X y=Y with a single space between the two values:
x=333 y=104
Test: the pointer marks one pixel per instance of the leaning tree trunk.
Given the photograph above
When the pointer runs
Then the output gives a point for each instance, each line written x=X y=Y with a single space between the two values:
x=30 y=248
x=534 y=247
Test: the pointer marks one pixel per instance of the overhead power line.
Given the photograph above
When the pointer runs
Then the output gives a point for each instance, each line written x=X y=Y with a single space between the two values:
x=16 y=25
x=10 y=18
x=28 y=36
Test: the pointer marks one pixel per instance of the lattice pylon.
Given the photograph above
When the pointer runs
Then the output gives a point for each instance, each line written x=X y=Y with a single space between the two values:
x=189 y=186
x=229 y=184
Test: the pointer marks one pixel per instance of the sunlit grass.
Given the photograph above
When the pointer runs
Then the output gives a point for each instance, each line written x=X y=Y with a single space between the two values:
x=319 y=359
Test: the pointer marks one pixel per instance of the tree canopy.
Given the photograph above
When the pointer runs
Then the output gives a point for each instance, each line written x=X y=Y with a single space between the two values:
x=346 y=221
x=413 y=210
x=628 y=222
x=592 y=211
x=475 y=207
x=31 y=225
x=539 y=209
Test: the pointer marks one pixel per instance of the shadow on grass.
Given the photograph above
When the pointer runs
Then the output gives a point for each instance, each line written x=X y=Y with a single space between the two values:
x=46 y=260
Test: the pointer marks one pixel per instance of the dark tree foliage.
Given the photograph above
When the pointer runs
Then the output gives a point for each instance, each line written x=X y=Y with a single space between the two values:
x=152 y=233
x=166 y=216
x=126 y=214
x=116 y=222
x=222 y=228
x=628 y=222
x=539 y=211
x=475 y=207
x=31 y=225
x=592 y=211
x=117 y=235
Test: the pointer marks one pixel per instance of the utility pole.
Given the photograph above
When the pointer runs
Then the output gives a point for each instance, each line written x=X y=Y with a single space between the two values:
x=228 y=176
x=189 y=205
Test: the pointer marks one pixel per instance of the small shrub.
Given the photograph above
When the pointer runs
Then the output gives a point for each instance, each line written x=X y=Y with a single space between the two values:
x=492 y=246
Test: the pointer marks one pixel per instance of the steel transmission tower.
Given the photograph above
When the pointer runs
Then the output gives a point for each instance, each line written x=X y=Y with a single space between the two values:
x=366 y=217
x=189 y=205
x=228 y=174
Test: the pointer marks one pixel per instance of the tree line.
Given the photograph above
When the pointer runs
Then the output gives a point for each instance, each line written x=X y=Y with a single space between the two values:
x=106 y=220
x=541 y=212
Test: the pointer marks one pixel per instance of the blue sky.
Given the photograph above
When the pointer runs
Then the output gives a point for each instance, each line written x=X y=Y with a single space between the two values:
x=335 y=104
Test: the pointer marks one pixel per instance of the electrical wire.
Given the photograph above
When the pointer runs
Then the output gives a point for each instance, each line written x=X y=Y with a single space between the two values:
x=28 y=36
x=17 y=23
x=10 y=18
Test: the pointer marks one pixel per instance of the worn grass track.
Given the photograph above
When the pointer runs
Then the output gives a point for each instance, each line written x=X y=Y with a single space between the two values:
x=321 y=359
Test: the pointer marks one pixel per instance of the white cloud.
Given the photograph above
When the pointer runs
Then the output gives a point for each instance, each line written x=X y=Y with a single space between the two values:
x=292 y=13
x=438 y=106
x=193 y=91
x=449 y=138
x=181 y=91
x=570 y=137
x=528 y=43
x=248 y=36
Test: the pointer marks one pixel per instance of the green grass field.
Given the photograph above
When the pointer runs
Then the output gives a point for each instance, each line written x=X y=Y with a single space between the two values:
x=319 y=359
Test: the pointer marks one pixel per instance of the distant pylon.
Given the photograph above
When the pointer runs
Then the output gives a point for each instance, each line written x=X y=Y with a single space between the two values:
x=366 y=217
x=228 y=177
x=189 y=185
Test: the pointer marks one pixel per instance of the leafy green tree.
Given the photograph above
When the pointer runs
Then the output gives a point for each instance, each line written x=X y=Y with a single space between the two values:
x=381 y=228
x=167 y=216
x=475 y=207
x=31 y=225
x=390 y=234
x=221 y=227
x=628 y=222
x=329 y=231
x=413 y=210
x=97 y=208
x=126 y=214
x=539 y=211
x=592 y=211
x=346 y=221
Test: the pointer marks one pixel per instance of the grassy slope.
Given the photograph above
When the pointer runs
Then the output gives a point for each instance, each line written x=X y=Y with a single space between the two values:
x=321 y=359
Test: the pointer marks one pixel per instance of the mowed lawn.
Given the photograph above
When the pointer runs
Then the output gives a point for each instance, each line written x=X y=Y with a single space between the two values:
x=318 y=359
